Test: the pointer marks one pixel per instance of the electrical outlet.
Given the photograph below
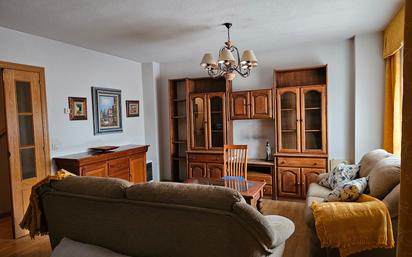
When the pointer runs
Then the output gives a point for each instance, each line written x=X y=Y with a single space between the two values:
x=67 y=110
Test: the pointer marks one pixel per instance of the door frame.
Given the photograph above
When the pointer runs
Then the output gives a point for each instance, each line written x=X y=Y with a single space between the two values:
x=44 y=116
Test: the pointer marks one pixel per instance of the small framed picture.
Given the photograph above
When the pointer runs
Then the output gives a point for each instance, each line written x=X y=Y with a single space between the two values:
x=132 y=108
x=78 y=108
x=107 y=110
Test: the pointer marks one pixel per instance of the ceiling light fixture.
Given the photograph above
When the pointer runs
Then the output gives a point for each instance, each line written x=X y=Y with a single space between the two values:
x=227 y=63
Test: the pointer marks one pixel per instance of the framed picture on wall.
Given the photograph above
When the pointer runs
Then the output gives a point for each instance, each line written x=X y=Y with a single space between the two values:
x=107 y=110
x=78 y=108
x=132 y=108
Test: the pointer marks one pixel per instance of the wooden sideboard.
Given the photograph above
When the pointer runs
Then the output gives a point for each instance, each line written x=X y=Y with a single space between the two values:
x=126 y=162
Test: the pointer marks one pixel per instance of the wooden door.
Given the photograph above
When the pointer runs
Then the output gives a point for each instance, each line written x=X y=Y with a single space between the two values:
x=289 y=182
x=288 y=120
x=216 y=121
x=240 y=105
x=138 y=168
x=309 y=176
x=26 y=139
x=313 y=119
x=198 y=122
x=261 y=104
x=197 y=170
x=214 y=170
x=95 y=170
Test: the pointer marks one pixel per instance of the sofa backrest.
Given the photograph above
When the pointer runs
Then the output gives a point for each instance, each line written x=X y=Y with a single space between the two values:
x=383 y=169
x=155 y=219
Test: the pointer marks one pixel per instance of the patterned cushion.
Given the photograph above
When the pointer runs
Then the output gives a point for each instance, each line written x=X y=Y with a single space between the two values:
x=341 y=174
x=349 y=191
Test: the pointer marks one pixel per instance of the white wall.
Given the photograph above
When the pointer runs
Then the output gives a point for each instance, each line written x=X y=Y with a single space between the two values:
x=370 y=93
x=150 y=75
x=72 y=71
x=340 y=59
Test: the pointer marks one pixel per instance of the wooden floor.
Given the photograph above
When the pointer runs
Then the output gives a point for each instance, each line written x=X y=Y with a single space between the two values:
x=23 y=247
x=296 y=246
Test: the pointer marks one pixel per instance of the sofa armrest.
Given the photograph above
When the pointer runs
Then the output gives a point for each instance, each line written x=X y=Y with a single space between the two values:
x=321 y=176
x=391 y=201
x=282 y=227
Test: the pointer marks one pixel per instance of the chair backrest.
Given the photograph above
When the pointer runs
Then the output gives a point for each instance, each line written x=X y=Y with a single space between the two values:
x=235 y=160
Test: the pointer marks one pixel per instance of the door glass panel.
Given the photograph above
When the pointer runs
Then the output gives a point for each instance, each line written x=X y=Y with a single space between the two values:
x=288 y=120
x=28 y=165
x=26 y=132
x=198 y=117
x=313 y=120
x=23 y=93
x=216 y=121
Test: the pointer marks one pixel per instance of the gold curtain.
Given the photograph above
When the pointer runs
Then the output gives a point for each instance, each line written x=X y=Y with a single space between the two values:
x=392 y=52
x=393 y=104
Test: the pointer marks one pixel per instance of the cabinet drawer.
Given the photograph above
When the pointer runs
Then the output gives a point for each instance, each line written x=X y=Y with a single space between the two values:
x=214 y=158
x=301 y=162
x=267 y=190
x=117 y=166
x=95 y=170
x=257 y=176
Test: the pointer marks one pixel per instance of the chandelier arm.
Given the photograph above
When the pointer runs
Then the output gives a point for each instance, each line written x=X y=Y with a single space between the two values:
x=238 y=55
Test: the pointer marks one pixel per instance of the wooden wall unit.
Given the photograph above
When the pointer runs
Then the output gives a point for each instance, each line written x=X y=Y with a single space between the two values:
x=126 y=162
x=199 y=126
x=256 y=104
x=301 y=128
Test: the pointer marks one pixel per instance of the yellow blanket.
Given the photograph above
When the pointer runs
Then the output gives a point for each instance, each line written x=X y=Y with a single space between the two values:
x=353 y=226
x=33 y=220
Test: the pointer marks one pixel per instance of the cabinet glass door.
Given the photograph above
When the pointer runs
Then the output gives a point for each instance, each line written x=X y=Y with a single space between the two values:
x=216 y=106
x=198 y=121
x=288 y=120
x=313 y=119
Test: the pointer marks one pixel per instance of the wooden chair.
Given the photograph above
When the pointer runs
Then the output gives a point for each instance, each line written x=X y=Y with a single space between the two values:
x=235 y=161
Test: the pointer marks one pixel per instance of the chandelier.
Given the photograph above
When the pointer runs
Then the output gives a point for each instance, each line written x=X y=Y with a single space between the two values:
x=229 y=60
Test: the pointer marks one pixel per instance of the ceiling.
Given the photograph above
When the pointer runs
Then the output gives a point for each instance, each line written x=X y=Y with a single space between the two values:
x=173 y=30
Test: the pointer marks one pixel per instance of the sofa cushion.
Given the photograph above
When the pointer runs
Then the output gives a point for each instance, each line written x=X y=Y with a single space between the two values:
x=204 y=196
x=384 y=176
x=70 y=248
x=349 y=191
x=93 y=186
x=370 y=159
x=317 y=191
x=341 y=174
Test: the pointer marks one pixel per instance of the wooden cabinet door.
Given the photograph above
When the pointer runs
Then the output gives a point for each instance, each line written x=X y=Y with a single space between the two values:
x=119 y=168
x=138 y=168
x=198 y=122
x=26 y=137
x=216 y=121
x=288 y=120
x=240 y=105
x=95 y=170
x=197 y=170
x=261 y=104
x=309 y=176
x=289 y=182
x=313 y=119
x=214 y=170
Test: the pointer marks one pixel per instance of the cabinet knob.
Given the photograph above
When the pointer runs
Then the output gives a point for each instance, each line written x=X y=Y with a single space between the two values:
x=315 y=163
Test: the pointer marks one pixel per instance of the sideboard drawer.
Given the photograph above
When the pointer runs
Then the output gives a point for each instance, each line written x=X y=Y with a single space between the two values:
x=95 y=170
x=216 y=158
x=301 y=162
